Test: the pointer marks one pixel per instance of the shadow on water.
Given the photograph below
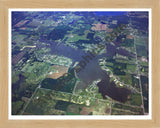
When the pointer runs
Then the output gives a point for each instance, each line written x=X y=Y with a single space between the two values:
x=107 y=88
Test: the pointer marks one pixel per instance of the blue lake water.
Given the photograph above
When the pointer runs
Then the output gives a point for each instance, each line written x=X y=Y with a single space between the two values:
x=109 y=13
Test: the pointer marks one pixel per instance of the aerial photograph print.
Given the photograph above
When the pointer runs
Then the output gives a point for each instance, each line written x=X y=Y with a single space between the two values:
x=79 y=63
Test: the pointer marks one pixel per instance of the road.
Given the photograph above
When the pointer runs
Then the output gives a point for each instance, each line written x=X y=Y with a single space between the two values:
x=30 y=99
x=138 y=74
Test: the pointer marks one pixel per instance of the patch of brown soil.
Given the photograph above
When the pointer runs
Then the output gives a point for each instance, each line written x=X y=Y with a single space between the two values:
x=58 y=71
x=85 y=111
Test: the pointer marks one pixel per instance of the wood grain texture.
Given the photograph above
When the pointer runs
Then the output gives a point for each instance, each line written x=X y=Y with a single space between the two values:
x=6 y=4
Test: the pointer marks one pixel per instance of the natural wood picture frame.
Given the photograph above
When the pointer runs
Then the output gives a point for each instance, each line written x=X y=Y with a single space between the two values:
x=4 y=34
